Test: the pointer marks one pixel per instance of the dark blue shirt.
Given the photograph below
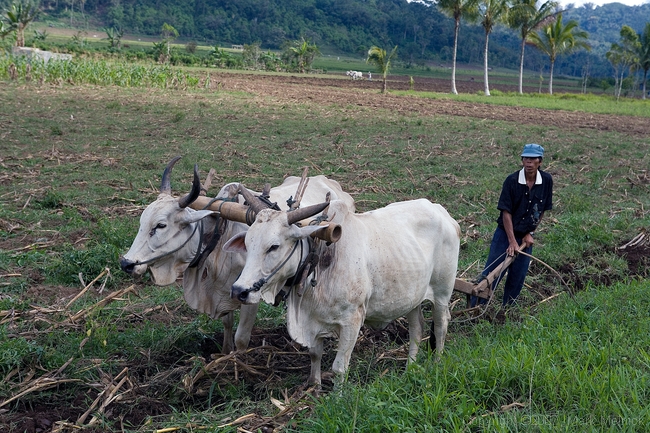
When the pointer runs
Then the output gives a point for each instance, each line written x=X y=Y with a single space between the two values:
x=525 y=205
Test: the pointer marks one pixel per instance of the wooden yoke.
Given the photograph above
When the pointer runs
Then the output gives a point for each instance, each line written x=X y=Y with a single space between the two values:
x=484 y=288
x=237 y=212
x=302 y=186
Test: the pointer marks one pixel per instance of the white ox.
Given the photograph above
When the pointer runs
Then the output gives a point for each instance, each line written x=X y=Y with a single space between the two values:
x=170 y=236
x=355 y=75
x=386 y=263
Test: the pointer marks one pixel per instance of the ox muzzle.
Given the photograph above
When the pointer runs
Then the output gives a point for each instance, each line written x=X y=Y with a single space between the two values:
x=241 y=293
x=127 y=265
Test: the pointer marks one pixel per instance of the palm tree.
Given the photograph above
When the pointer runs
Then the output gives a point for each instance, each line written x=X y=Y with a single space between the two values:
x=624 y=55
x=525 y=17
x=556 y=39
x=458 y=9
x=304 y=53
x=616 y=57
x=491 y=12
x=643 y=51
x=19 y=15
x=379 y=58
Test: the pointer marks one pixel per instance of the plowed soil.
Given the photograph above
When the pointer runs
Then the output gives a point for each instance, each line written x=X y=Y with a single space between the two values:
x=364 y=93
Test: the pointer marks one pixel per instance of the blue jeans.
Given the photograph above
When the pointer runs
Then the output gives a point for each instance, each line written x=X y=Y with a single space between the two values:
x=516 y=272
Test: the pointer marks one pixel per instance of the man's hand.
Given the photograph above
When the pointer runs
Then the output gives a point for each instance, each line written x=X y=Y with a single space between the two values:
x=528 y=240
x=512 y=248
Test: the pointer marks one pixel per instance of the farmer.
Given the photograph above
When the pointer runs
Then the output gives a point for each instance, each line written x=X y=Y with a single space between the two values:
x=525 y=196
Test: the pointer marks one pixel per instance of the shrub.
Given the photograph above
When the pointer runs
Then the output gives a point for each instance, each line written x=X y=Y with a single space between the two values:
x=190 y=47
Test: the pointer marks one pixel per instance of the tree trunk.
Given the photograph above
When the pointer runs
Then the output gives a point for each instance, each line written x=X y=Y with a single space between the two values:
x=585 y=77
x=383 y=86
x=453 y=66
x=521 y=66
x=645 y=79
x=485 y=65
x=550 y=78
x=20 y=36
x=620 y=84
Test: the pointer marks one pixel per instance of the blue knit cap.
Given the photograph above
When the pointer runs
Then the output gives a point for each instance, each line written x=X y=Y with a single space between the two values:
x=533 y=151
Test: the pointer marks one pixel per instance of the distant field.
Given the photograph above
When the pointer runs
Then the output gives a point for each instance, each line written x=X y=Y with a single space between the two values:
x=338 y=64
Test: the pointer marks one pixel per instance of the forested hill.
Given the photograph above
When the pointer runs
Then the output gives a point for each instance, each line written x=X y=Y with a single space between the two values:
x=603 y=23
x=344 y=26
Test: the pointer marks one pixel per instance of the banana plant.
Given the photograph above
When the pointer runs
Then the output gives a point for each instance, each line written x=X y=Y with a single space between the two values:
x=114 y=37
x=19 y=15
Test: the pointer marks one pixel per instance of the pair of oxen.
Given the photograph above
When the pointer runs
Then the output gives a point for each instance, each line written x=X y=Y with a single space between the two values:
x=386 y=263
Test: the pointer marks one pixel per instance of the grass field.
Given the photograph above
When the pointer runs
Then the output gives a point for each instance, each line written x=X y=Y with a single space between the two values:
x=79 y=163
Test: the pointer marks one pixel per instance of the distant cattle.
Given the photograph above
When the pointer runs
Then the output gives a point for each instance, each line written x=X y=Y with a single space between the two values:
x=386 y=263
x=355 y=75
x=175 y=240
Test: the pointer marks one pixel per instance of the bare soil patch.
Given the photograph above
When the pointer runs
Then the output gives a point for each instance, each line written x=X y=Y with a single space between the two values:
x=364 y=93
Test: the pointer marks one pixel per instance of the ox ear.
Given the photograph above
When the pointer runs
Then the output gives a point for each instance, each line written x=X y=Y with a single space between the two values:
x=195 y=215
x=236 y=244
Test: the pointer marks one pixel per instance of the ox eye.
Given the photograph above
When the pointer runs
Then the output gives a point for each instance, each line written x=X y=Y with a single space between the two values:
x=272 y=248
x=158 y=226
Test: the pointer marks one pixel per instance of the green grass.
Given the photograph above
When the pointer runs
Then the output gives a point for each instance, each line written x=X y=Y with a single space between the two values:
x=578 y=365
x=78 y=165
x=589 y=103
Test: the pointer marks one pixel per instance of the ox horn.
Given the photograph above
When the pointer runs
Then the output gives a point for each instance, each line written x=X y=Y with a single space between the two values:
x=166 y=184
x=183 y=202
x=255 y=203
x=305 y=212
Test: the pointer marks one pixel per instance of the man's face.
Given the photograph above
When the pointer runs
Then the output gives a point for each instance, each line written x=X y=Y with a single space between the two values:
x=531 y=165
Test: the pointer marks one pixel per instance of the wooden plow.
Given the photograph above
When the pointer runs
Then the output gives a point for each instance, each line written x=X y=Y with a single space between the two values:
x=483 y=289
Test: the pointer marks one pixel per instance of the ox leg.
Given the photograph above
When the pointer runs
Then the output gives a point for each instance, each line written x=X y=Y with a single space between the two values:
x=347 y=340
x=441 y=318
x=316 y=355
x=228 y=321
x=245 y=328
x=416 y=325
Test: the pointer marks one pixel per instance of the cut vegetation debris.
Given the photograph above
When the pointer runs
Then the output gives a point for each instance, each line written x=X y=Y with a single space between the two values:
x=80 y=349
